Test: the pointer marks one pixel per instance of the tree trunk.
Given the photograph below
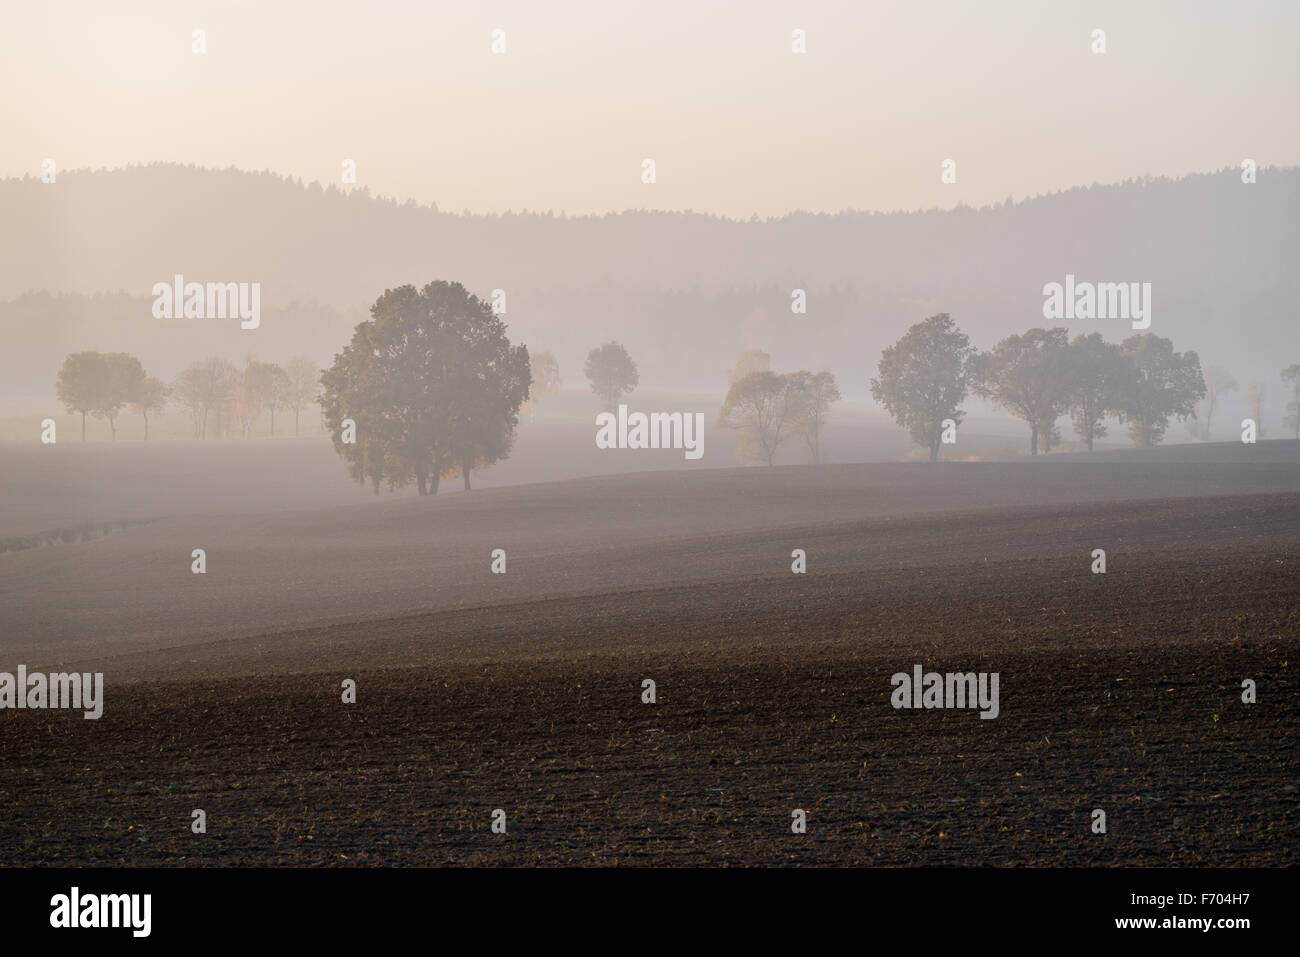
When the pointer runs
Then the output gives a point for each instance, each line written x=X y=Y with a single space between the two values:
x=273 y=420
x=1033 y=440
x=465 y=470
x=420 y=483
x=146 y=426
x=436 y=478
x=295 y=423
x=112 y=427
x=83 y=426
x=1090 y=431
x=934 y=451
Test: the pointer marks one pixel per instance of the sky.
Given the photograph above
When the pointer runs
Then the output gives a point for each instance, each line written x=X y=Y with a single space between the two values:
x=735 y=122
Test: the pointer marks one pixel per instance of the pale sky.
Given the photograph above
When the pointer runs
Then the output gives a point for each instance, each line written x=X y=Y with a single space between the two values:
x=736 y=123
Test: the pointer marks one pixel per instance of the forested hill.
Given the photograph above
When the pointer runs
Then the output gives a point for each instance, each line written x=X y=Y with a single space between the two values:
x=685 y=292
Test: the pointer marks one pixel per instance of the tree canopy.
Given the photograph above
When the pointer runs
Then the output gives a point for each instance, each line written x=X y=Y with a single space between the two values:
x=922 y=378
x=432 y=384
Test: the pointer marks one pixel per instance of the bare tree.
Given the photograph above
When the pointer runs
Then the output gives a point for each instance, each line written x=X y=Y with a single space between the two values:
x=1218 y=382
x=302 y=386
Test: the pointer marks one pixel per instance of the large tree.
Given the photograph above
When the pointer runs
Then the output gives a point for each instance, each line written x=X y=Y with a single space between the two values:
x=612 y=373
x=1097 y=371
x=1029 y=376
x=922 y=378
x=432 y=384
x=1161 y=383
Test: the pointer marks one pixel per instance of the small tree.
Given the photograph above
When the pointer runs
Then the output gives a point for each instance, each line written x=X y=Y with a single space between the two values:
x=206 y=389
x=1255 y=402
x=1218 y=382
x=277 y=394
x=152 y=397
x=1096 y=373
x=922 y=378
x=1291 y=377
x=302 y=386
x=545 y=371
x=611 y=372
x=816 y=394
x=82 y=383
x=760 y=406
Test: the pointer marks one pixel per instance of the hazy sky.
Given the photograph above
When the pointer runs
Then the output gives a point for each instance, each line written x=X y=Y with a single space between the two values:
x=736 y=123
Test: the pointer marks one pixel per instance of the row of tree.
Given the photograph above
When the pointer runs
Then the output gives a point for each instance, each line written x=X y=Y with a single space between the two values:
x=1038 y=377
x=221 y=398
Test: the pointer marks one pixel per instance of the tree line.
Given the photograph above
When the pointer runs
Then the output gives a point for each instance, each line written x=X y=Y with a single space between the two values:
x=1041 y=375
x=222 y=399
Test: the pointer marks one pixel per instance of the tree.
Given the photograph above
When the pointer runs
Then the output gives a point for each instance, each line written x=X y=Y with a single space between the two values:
x=206 y=389
x=1097 y=370
x=152 y=397
x=816 y=394
x=612 y=373
x=81 y=384
x=432 y=384
x=761 y=405
x=1255 y=402
x=277 y=395
x=492 y=378
x=1029 y=376
x=1218 y=381
x=922 y=378
x=1291 y=375
x=545 y=370
x=256 y=391
x=302 y=386
x=1160 y=383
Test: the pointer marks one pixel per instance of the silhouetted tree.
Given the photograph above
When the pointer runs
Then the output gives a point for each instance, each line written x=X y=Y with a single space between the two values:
x=1097 y=371
x=1160 y=383
x=612 y=373
x=922 y=378
x=432 y=384
x=1029 y=376
x=81 y=384
x=152 y=397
